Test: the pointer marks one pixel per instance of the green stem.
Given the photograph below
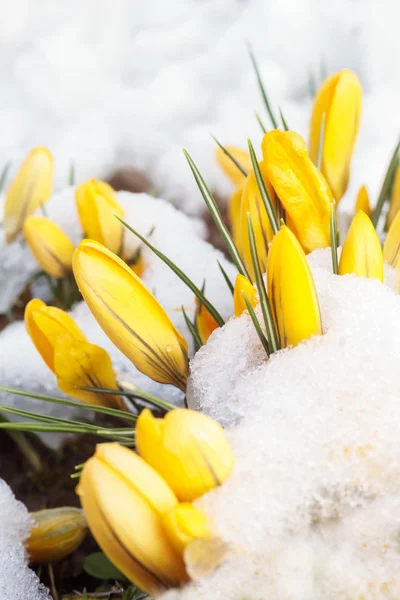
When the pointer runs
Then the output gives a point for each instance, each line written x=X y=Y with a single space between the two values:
x=25 y=447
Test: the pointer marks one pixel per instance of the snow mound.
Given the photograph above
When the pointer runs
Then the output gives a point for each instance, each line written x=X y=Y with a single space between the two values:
x=313 y=505
x=17 y=581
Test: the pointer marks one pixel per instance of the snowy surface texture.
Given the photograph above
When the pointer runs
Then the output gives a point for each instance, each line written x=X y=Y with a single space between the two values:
x=17 y=581
x=107 y=84
x=313 y=505
x=176 y=235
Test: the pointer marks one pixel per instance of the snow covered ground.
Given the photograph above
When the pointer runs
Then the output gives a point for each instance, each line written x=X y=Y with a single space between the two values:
x=108 y=83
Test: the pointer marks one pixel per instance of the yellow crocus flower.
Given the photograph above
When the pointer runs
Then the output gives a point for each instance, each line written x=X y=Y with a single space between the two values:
x=361 y=252
x=30 y=189
x=243 y=286
x=229 y=167
x=97 y=206
x=51 y=247
x=391 y=247
x=362 y=201
x=185 y=523
x=338 y=104
x=123 y=500
x=291 y=290
x=300 y=186
x=395 y=199
x=130 y=315
x=187 y=448
x=234 y=208
x=57 y=532
x=205 y=323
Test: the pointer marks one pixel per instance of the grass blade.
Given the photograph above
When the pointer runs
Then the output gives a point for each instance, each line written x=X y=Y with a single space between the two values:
x=284 y=122
x=195 y=334
x=213 y=311
x=334 y=239
x=216 y=215
x=262 y=89
x=272 y=336
x=269 y=207
x=320 y=152
x=263 y=128
x=71 y=175
x=233 y=159
x=256 y=324
x=4 y=174
x=228 y=281
x=42 y=418
x=387 y=182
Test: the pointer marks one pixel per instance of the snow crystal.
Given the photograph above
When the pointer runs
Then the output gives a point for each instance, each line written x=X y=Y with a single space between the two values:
x=313 y=506
x=17 y=581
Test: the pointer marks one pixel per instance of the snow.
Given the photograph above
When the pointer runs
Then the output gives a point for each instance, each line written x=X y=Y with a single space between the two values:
x=107 y=84
x=17 y=581
x=313 y=506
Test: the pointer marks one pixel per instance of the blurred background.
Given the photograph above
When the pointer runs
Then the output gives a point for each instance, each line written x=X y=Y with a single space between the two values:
x=110 y=85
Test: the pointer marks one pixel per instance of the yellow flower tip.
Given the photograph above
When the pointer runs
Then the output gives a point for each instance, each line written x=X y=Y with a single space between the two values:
x=291 y=290
x=391 y=247
x=130 y=315
x=57 y=532
x=361 y=252
x=30 y=189
x=51 y=247
x=205 y=322
x=362 y=201
x=188 y=449
x=395 y=198
x=185 y=523
x=229 y=167
x=243 y=286
x=338 y=103
x=97 y=206
x=45 y=324
x=300 y=186
x=115 y=483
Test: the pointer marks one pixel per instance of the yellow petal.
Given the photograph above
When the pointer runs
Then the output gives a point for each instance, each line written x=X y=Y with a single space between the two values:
x=127 y=529
x=340 y=100
x=234 y=208
x=291 y=290
x=57 y=532
x=361 y=251
x=187 y=448
x=185 y=523
x=229 y=167
x=205 y=323
x=252 y=203
x=301 y=188
x=45 y=324
x=130 y=315
x=362 y=202
x=97 y=206
x=395 y=198
x=50 y=246
x=30 y=189
x=77 y=364
x=391 y=247
x=243 y=286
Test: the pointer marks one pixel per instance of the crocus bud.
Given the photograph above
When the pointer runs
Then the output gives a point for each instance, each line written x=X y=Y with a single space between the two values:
x=361 y=251
x=391 y=247
x=185 y=523
x=291 y=290
x=234 y=208
x=394 y=199
x=243 y=286
x=300 y=186
x=30 y=189
x=123 y=499
x=130 y=315
x=56 y=533
x=337 y=108
x=362 y=201
x=51 y=247
x=97 y=206
x=229 y=167
x=187 y=448
x=205 y=323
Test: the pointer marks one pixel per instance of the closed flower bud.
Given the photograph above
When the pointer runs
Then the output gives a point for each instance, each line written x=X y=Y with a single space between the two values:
x=391 y=247
x=394 y=199
x=30 y=189
x=56 y=533
x=187 y=448
x=50 y=246
x=337 y=107
x=362 y=201
x=234 y=208
x=229 y=167
x=130 y=315
x=243 y=286
x=205 y=323
x=291 y=290
x=97 y=206
x=361 y=252
x=185 y=523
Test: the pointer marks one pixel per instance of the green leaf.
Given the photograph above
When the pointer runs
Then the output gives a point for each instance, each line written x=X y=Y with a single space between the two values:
x=71 y=175
x=213 y=311
x=269 y=207
x=256 y=324
x=230 y=155
x=195 y=334
x=386 y=185
x=263 y=128
x=321 y=142
x=97 y=565
x=334 y=238
x=284 y=123
x=262 y=89
x=216 y=215
x=4 y=174
x=228 y=281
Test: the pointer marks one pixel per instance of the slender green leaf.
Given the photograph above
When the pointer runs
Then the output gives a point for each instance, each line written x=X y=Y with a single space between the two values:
x=387 y=182
x=262 y=89
x=211 y=309
x=228 y=281
x=284 y=122
x=333 y=236
x=256 y=324
x=312 y=85
x=71 y=176
x=266 y=198
x=195 y=334
x=230 y=155
x=43 y=418
x=263 y=128
x=321 y=140
x=216 y=215
x=272 y=336
x=97 y=565
x=4 y=173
